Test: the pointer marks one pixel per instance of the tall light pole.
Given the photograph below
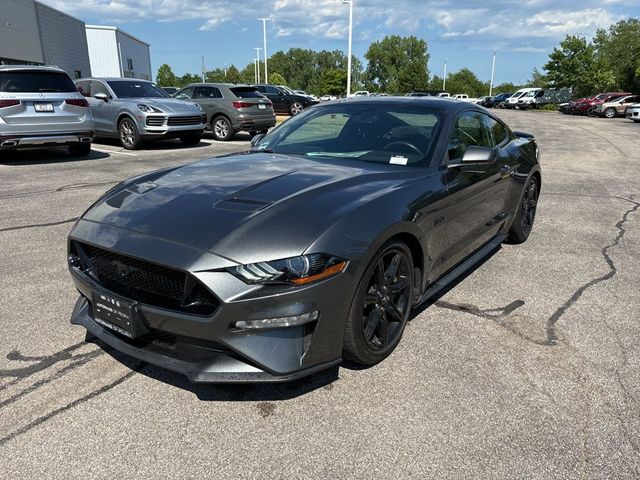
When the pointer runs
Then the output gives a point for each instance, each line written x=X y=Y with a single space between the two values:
x=225 y=70
x=202 y=68
x=493 y=70
x=257 y=49
x=444 y=77
x=264 y=32
x=350 y=2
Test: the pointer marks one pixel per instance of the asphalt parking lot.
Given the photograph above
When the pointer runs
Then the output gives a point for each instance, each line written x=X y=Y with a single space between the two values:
x=528 y=368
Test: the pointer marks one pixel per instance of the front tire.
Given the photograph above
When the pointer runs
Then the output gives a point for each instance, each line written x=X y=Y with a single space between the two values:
x=296 y=108
x=222 y=129
x=609 y=113
x=130 y=138
x=381 y=306
x=523 y=221
x=80 y=150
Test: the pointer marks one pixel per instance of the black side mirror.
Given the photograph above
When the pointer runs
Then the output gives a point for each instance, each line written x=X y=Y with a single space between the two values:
x=101 y=96
x=256 y=140
x=475 y=155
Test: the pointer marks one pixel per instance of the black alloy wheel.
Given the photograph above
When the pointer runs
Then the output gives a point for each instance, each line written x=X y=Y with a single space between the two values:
x=523 y=223
x=381 y=306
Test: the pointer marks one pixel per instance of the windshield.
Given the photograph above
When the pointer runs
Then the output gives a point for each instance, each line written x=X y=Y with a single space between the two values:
x=390 y=134
x=133 y=89
x=531 y=94
x=35 y=81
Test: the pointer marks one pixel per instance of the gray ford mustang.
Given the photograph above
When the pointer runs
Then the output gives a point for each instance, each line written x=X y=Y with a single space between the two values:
x=314 y=246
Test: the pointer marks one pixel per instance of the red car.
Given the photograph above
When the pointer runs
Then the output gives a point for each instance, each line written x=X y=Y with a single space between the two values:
x=583 y=107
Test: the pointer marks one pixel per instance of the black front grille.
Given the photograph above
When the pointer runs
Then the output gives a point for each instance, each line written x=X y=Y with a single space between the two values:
x=146 y=282
x=181 y=121
x=156 y=121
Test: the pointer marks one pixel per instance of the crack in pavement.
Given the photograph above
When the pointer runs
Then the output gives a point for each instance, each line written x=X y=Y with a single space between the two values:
x=64 y=188
x=69 y=406
x=551 y=337
x=38 y=225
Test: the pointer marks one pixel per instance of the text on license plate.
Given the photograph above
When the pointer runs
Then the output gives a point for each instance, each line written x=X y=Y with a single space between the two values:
x=43 y=107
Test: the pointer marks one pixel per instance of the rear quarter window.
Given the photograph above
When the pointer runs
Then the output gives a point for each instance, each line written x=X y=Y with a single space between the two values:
x=35 y=82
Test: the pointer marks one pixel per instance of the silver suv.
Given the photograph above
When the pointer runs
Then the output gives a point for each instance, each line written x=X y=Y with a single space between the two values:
x=137 y=110
x=40 y=107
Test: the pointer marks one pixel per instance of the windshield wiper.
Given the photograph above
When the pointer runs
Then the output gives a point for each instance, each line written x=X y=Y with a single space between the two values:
x=261 y=150
x=49 y=90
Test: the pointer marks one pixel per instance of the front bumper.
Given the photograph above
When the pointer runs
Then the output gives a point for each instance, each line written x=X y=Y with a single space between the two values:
x=210 y=348
x=171 y=126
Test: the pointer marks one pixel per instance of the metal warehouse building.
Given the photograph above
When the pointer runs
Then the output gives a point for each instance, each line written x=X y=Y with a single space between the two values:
x=33 y=33
x=114 y=53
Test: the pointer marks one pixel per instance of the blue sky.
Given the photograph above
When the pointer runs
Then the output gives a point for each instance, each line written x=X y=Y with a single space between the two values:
x=465 y=32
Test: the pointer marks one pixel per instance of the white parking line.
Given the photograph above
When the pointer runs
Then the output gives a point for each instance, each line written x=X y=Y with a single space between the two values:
x=118 y=152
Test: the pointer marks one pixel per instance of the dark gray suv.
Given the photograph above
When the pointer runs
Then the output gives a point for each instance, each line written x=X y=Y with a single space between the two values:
x=231 y=108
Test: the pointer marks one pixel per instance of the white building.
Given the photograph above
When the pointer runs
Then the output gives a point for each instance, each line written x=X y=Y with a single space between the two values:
x=114 y=53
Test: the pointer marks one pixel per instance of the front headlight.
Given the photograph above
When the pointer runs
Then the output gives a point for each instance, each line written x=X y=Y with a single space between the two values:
x=301 y=270
x=149 y=108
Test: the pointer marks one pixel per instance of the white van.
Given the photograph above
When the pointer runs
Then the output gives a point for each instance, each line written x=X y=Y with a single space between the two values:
x=512 y=101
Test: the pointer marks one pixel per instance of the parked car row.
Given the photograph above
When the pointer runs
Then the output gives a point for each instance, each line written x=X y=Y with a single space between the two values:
x=42 y=107
x=607 y=105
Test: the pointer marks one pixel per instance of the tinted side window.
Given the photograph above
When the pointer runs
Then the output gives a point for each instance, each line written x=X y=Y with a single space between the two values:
x=84 y=88
x=498 y=130
x=185 y=94
x=273 y=91
x=469 y=130
x=207 y=92
x=260 y=88
x=98 y=87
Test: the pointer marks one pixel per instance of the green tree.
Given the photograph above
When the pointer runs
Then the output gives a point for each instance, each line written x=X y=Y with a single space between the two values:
x=248 y=73
x=465 y=81
x=165 y=76
x=276 y=79
x=574 y=64
x=216 y=75
x=397 y=65
x=334 y=82
x=233 y=75
x=618 y=52
x=538 y=79
x=188 y=78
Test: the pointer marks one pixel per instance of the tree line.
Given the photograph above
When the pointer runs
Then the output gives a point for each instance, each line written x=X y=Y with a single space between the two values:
x=398 y=65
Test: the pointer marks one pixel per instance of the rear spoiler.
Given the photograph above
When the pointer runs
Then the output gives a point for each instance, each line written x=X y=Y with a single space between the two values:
x=524 y=135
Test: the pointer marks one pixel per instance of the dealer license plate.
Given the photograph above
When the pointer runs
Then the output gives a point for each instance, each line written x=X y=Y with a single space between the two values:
x=43 y=107
x=114 y=313
x=262 y=106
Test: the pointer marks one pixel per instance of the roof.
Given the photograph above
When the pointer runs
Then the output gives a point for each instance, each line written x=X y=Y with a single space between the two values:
x=115 y=29
x=113 y=79
x=436 y=103
x=50 y=68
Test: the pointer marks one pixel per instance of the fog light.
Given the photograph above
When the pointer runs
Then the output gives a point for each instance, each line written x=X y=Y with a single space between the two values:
x=280 y=322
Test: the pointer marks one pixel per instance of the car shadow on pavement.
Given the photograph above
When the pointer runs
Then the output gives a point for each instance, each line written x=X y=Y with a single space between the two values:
x=40 y=157
x=234 y=392
x=168 y=144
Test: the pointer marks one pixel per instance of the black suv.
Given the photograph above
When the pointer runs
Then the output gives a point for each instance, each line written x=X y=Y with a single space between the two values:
x=284 y=100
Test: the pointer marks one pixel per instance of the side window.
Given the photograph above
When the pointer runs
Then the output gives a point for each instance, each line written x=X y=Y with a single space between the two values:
x=207 y=92
x=273 y=91
x=261 y=89
x=84 y=88
x=469 y=130
x=98 y=87
x=498 y=130
x=185 y=94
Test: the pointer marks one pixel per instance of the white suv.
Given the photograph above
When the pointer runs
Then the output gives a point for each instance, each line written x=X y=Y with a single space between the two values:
x=40 y=107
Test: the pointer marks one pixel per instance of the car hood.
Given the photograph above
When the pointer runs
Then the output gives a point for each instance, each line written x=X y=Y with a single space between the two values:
x=168 y=105
x=247 y=207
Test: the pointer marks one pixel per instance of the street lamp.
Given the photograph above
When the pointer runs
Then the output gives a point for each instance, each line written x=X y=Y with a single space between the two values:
x=225 y=70
x=350 y=2
x=444 y=77
x=264 y=32
x=257 y=49
x=493 y=69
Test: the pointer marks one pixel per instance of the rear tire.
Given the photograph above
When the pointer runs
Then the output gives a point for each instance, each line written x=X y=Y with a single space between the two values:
x=80 y=149
x=190 y=140
x=130 y=138
x=525 y=217
x=381 y=306
x=222 y=129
